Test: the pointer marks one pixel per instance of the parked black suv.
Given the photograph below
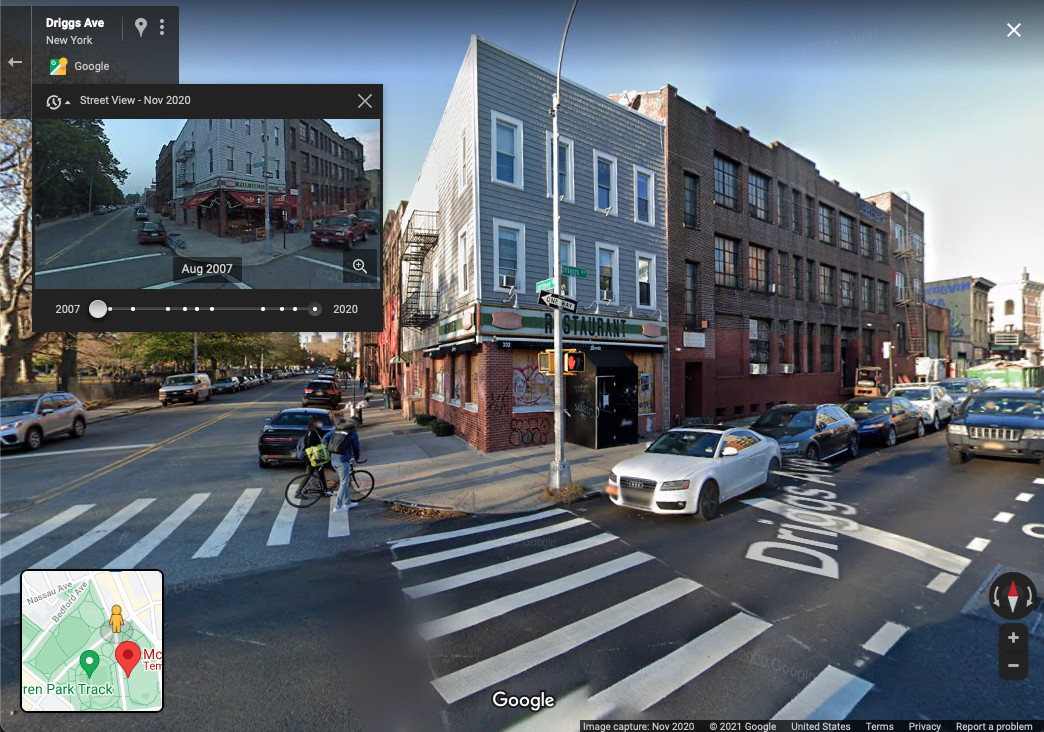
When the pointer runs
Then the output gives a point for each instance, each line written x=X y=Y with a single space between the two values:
x=321 y=392
x=1000 y=423
x=811 y=431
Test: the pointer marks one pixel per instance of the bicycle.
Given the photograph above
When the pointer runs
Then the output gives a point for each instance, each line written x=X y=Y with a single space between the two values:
x=305 y=490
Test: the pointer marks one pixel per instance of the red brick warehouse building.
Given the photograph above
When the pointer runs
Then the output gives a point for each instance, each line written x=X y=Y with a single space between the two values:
x=779 y=282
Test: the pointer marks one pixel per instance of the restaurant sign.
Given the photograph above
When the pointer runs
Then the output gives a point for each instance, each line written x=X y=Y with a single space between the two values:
x=495 y=320
x=458 y=325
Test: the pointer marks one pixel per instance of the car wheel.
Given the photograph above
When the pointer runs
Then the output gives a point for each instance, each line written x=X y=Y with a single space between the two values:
x=920 y=428
x=890 y=438
x=195 y=399
x=163 y=404
x=957 y=457
x=33 y=439
x=812 y=452
x=772 y=477
x=936 y=426
x=853 y=446
x=710 y=500
x=79 y=428
x=262 y=464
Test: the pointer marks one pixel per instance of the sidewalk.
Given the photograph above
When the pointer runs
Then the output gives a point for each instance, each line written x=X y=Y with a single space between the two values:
x=413 y=466
x=196 y=243
x=120 y=409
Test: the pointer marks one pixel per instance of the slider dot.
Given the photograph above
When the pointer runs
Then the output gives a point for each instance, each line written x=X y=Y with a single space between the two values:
x=132 y=309
x=282 y=309
x=168 y=308
x=211 y=308
x=98 y=309
x=262 y=308
x=295 y=310
x=197 y=308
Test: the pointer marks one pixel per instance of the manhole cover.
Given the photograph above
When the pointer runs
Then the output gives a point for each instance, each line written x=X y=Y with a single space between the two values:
x=19 y=505
x=979 y=604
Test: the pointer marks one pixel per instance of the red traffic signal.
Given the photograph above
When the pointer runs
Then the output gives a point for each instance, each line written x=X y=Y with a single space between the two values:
x=575 y=362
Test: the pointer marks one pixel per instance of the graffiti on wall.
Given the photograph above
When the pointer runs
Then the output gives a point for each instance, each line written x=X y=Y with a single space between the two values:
x=499 y=404
x=531 y=388
x=530 y=431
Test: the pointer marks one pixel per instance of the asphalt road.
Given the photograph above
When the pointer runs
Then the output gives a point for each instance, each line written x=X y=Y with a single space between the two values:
x=614 y=612
x=103 y=252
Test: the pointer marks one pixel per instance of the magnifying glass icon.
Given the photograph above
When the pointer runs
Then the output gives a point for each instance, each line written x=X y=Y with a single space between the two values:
x=359 y=266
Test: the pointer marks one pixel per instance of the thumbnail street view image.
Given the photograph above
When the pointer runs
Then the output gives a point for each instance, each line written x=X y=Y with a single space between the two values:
x=707 y=391
x=207 y=203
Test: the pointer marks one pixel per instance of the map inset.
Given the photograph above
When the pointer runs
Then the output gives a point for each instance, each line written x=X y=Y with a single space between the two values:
x=92 y=641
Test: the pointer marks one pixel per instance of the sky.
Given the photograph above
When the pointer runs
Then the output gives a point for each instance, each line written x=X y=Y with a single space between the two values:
x=936 y=100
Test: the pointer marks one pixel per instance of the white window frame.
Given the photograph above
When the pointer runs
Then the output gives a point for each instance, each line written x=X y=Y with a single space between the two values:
x=463 y=262
x=496 y=117
x=614 y=190
x=571 y=284
x=569 y=194
x=599 y=246
x=520 y=277
x=462 y=162
x=639 y=255
x=639 y=170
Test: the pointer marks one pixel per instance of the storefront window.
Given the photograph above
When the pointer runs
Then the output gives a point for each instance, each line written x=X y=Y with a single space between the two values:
x=473 y=377
x=440 y=380
x=646 y=363
x=458 y=378
x=530 y=387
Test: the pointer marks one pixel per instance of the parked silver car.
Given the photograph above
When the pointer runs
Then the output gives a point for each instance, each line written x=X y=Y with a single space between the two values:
x=29 y=420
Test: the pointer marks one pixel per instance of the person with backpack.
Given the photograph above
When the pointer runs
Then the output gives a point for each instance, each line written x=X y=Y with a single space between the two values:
x=344 y=446
x=312 y=438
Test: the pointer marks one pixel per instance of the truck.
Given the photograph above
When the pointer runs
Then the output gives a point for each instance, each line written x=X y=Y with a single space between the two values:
x=1009 y=374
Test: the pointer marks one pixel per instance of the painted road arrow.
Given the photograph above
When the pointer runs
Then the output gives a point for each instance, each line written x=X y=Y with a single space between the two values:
x=557 y=301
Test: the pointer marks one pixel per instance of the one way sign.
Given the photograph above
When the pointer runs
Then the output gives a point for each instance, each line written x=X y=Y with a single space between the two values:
x=557 y=301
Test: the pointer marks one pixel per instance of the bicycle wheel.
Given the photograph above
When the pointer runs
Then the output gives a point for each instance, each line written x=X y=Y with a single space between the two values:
x=303 y=490
x=361 y=485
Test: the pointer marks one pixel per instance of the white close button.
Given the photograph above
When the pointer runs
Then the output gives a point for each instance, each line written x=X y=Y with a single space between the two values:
x=98 y=309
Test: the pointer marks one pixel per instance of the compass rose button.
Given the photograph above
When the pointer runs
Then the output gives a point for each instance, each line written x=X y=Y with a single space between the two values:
x=1013 y=596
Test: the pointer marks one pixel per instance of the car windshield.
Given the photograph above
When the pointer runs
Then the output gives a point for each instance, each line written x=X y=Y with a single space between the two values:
x=875 y=408
x=151 y=226
x=17 y=407
x=337 y=221
x=803 y=418
x=299 y=419
x=954 y=385
x=691 y=444
x=915 y=395
x=1022 y=406
x=179 y=380
x=224 y=380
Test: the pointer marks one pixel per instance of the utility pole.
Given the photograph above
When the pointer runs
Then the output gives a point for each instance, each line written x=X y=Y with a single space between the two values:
x=195 y=352
x=559 y=475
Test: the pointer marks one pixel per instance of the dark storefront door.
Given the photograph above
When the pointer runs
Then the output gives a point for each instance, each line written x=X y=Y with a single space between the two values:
x=867 y=357
x=603 y=402
x=849 y=357
x=694 y=389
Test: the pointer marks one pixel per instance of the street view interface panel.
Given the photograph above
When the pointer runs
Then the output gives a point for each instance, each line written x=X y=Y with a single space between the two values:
x=282 y=290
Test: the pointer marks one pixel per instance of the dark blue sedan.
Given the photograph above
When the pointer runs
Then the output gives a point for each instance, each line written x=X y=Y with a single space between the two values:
x=885 y=419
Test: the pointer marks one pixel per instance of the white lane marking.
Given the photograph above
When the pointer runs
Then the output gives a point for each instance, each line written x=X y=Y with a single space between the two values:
x=495 y=570
x=130 y=558
x=503 y=605
x=224 y=531
x=283 y=526
x=175 y=283
x=1003 y=517
x=939 y=558
x=831 y=695
x=426 y=559
x=471 y=679
x=427 y=538
x=942 y=582
x=59 y=557
x=978 y=544
x=10 y=546
x=338 y=521
x=95 y=264
x=1039 y=481
x=1024 y=497
x=887 y=635
x=49 y=453
x=320 y=261
x=2 y=515
x=654 y=682
x=565 y=714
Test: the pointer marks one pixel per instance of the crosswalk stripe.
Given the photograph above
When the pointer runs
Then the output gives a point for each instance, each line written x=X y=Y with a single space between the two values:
x=283 y=526
x=887 y=636
x=338 y=521
x=654 y=682
x=425 y=559
x=495 y=570
x=1038 y=481
x=486 y=673
x=10 y=546
x=564 y=715
x=427 y=538
x=130 y=558
x=830 y=696
x=1023 y=497
x=70 y=550
x=224 y=531
x=503 y=605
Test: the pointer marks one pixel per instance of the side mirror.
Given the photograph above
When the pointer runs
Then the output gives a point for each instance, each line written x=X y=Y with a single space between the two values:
x=648 y=445
x=729 y=452
x=46 y=410
x=267 y=420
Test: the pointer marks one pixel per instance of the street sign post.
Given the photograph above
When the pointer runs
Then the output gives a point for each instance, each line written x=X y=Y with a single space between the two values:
x=545 y=285
x=558 y=301
x=577 y=272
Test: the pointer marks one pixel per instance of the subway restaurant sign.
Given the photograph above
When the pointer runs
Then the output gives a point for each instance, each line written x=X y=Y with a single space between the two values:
x=500 y=321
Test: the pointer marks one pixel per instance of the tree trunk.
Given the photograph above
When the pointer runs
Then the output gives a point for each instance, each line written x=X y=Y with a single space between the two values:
x=68 y=378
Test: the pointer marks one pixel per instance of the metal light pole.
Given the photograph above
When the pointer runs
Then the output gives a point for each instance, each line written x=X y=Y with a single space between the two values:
x=559 y=475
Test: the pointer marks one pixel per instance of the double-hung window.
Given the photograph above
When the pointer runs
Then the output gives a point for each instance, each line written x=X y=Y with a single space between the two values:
x=726 y=183
x=565 y=169
x=644 y=196
x=507 y=150
x=509 y=255
x=725 y=272
x=605 y=183
x=645 y=279
x=608 y=259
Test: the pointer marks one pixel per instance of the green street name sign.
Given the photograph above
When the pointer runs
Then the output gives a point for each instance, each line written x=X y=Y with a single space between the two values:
x=574 y=272
x=548 y=284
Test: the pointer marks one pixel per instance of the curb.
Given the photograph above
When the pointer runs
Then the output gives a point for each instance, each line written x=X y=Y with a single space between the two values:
x=106 y=418
x=391 y=503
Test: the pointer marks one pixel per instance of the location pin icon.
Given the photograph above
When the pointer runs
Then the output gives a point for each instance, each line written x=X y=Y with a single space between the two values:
x=89 y=662
x=140 y=24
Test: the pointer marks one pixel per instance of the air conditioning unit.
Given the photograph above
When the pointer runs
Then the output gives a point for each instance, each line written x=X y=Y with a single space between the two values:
x=507 y=281
x=786 y=368
x=758 y=369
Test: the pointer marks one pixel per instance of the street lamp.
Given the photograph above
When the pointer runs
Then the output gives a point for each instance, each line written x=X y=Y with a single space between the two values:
x=559 y=475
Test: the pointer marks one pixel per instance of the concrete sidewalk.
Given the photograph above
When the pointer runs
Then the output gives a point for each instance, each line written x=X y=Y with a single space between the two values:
x=188 y=241
x=414 y=467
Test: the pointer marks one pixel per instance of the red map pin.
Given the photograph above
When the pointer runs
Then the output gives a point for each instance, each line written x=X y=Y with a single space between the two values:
x=127 y=655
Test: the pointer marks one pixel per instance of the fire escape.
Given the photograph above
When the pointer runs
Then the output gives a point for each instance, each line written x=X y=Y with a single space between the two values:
x=910 y=297
x=183 y=176
x=420 y=307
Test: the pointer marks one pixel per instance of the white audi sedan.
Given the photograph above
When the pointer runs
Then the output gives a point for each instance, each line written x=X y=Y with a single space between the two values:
x=693 y=469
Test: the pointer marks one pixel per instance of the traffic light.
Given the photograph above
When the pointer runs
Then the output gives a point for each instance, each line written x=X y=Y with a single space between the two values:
x=574 y=362
x=545 y=363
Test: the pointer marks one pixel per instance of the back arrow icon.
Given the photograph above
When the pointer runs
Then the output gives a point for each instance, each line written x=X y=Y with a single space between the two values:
x=12 y=62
